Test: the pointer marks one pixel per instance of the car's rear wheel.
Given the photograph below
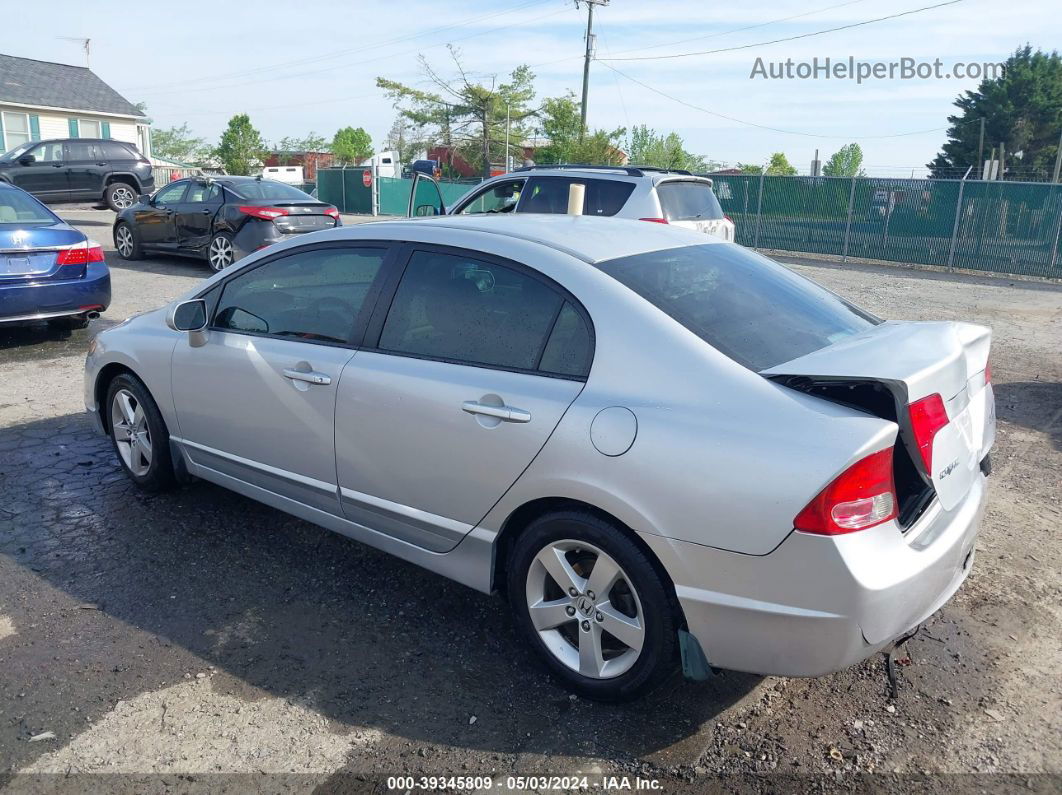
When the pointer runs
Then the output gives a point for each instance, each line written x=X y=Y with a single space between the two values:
x=220 y=253
x=139 y=434
x=119 y=196
x=587 y=597
x=127 y=242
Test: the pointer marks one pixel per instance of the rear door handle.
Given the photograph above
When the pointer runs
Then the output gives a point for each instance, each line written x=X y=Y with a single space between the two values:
x=311 y=377
x=503 y=413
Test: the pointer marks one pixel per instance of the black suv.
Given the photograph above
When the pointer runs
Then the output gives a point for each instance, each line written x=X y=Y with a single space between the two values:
x=79 y=169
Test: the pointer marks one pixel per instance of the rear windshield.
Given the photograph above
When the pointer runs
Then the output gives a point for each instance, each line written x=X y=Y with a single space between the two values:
x=268 y=189
x=688 y=201
x=755 y=311
x=18 y=208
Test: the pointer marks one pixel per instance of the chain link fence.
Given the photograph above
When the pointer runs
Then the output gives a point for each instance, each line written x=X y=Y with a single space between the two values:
x=1005 y=227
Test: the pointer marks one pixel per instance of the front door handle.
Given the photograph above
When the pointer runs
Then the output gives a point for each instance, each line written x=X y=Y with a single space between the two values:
x=503 y=413
x=310 y=377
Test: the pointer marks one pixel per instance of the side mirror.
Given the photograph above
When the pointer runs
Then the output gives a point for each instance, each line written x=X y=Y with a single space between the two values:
x=144 y=198
x=26 y=160
x=188 y=316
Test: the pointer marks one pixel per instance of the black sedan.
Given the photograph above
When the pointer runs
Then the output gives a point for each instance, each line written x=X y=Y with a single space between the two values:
x=219 y=219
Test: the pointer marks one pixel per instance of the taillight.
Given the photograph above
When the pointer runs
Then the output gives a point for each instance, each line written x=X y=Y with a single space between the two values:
x=988 y=372
x=728 y=218
x=862 y=496
x=332 y=211
x=655 y=220
x=265 y=213
x=928 y=416
x=80 y=256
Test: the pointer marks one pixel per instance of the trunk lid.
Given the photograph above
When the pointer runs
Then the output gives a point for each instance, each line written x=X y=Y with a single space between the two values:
x=29 y=253
x=299 y=216
x=887 y=368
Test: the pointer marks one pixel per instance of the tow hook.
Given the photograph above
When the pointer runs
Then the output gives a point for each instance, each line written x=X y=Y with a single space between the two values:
x=891 y=661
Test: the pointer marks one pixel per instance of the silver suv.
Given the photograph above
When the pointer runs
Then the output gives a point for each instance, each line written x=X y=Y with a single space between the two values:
x=640 y=192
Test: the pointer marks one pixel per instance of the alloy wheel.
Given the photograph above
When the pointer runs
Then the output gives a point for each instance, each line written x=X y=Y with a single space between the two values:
x=132 y=436
x=124 y=241
x=585 y=609
x=123 y=197
x=220 y=253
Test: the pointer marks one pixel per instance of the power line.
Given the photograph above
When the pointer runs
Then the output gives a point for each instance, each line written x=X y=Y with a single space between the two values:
x=743 y=29
x=335 y=53
x=767 y=127
x=787 y=38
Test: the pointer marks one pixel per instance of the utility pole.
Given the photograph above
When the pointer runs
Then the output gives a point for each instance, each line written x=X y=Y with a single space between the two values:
x=1058 y=160
x=589 y=54
x=981 y=147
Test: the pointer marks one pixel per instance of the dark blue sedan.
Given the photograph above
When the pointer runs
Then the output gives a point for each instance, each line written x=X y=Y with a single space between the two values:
x=48 y=270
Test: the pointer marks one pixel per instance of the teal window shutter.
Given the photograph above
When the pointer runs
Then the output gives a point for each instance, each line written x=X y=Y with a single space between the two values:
x=73 y=128
x=35 y=128
x=3 y=142
x=105 y=129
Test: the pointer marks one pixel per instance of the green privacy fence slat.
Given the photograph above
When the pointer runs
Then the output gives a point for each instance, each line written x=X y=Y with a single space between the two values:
x=1009 y=227
x=344 y=188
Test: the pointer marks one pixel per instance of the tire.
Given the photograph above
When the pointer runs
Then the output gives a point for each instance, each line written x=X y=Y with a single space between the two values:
x=69 y=323
x=120 y=195
x=127 y=242
x=580 y=648
x=220 y=253
x=133 y=418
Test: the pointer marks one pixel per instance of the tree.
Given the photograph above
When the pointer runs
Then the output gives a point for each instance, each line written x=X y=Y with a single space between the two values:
x=845 y=162
x=406 y=139
x=468 y=116
x=779 y=166
x=352 y=145
x=178 y=143
x=568 y=142
x=646 y=147
x=1022 y=109
x=289 y=146
x=750 y=168
x=241 y=146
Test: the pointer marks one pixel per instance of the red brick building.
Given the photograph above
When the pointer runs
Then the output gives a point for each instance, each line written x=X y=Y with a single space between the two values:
x=310 y=162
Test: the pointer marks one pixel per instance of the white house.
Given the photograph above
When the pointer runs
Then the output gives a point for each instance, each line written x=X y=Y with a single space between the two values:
x=40 y=100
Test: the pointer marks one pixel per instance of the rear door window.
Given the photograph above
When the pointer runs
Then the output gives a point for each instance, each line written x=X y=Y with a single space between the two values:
x=550 y=195
x=468 y=311
x=755 y=311
x=688 y=201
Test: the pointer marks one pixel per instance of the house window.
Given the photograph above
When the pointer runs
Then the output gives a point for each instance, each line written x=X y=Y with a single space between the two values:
x=89 y=129
x=16 y=130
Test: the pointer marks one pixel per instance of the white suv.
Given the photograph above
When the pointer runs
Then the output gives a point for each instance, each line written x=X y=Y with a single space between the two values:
x=641 y=192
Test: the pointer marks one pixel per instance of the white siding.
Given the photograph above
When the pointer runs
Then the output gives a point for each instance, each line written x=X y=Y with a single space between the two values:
x=54 y=124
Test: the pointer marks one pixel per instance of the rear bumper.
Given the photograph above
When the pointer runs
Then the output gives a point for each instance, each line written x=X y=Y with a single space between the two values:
x=818 y=604
x=254 y=236
x=41 y=300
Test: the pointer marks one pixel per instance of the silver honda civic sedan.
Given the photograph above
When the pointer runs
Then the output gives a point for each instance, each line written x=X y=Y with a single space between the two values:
x=665 y=448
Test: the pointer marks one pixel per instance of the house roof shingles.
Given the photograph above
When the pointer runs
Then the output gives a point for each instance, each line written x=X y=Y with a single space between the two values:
x=24 y=81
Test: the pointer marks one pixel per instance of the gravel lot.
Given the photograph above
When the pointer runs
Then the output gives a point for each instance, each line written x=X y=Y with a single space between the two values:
x=197 y=640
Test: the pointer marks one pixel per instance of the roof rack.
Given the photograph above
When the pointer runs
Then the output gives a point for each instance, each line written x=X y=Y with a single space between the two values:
x=630 y=171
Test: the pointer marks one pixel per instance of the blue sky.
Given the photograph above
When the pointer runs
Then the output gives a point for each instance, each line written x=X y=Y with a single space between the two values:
x=301 y=67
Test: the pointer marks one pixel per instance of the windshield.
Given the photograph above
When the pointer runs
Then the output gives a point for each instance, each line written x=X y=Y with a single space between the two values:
x=18 y=151
x=20 y=208
x=754 y=310
x=688 y=201
x=268 y=189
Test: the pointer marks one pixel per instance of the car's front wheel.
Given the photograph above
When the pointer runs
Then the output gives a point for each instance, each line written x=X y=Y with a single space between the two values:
x=220 y=253
x=119 y=196
x=588 y=598
x=139 y=434
x=126 y=242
